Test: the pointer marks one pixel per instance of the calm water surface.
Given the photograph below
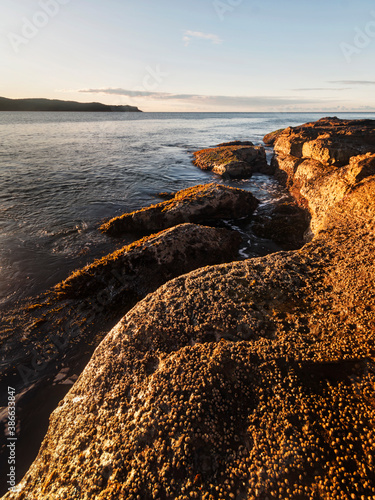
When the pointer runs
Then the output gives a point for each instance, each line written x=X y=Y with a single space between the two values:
x=62 y=174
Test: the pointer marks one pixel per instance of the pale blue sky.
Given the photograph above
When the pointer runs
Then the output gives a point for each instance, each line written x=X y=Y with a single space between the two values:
x=192 y=55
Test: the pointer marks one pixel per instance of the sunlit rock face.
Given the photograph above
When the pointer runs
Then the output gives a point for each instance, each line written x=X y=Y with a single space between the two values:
x=247 y=380
x=331 y=141
x=198 y=204
x=320 y=162
x=233 y=159
x=271 y=138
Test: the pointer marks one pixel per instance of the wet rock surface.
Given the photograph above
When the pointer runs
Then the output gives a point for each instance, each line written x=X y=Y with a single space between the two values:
x=233 y=159
x=285 y=223
x=198 y=204
x=248 y=380
x=56 y=333
x=108 y=288
x=235 y=143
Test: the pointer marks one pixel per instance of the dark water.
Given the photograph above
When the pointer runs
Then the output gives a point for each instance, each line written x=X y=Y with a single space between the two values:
x=61 y=174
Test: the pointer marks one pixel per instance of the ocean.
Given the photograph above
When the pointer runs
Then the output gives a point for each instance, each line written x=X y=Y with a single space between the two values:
x=63 y=174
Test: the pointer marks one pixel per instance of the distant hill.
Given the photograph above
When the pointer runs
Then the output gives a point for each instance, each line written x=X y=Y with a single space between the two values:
x=56 y=105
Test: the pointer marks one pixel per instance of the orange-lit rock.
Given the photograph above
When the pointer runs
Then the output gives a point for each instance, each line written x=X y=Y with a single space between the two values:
x=233 y=160
x=321 y=161
x=198 y=204
x=248 y=380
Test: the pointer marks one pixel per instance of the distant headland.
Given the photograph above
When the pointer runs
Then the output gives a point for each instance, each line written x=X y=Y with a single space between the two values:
x=57 y=105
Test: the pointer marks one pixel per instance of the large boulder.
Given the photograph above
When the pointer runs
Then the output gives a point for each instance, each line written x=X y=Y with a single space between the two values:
x=253 y=379
x=320 y=162
x=248 y=380
x=147 y=263
x=198 y=204
x=50 y=340
x=232 y=160
x=330 y=140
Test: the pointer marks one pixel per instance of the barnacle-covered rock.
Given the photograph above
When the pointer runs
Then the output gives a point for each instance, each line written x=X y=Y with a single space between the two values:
x=248 y=380
x=320 y=162
x=148 y=263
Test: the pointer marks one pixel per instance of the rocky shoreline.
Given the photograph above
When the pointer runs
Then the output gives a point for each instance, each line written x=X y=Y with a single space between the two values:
x=251 y=379
x=47 y=341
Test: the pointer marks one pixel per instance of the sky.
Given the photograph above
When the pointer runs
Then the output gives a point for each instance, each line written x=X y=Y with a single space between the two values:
x=192 y=55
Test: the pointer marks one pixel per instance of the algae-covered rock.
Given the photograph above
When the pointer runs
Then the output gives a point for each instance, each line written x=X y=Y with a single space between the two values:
x=234 y=161
x=198 y=204
x=146 y=264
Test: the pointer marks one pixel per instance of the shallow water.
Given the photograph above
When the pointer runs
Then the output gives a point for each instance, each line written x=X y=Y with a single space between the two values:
x=62 y=174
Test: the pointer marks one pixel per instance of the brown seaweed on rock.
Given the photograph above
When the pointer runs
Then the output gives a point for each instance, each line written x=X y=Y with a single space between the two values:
x=202 y=203
x=110 y=286
x=271 y=138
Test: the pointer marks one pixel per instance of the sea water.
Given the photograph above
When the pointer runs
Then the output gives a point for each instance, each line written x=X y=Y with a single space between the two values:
x=63 y=174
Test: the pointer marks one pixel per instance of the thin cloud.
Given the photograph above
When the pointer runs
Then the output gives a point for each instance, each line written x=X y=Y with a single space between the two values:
x=190 y=35
x=125 y=92
x=313 y=89
x=256 y=101
x=353 y=82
